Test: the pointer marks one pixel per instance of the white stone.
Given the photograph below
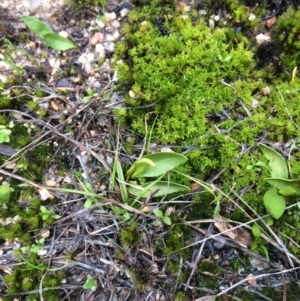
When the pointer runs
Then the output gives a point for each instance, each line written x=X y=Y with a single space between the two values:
x=131 y=94
x=115 y=24
x=252 y=17
x=3 y=79
x=99 y=48
x=116 y=35
x=124 y=12
x=90 y=57
x=217 y=18
x=109 y=46
x=211 y=23
x=109 y=38
x=262 y=38
x=63 y=34
x=100 y=24
x=255 y=103
x=110 y=16
x=4 y=66
x=88 y=67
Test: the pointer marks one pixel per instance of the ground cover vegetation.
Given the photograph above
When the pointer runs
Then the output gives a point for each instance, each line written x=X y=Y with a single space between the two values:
x=195 y=82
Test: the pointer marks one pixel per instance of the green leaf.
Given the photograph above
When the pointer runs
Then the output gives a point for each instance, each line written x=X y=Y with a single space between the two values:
x=274 y=203
x=287 y=191
x=269 y=220
x=163 y=162
x=161 y=188
x=157 y=212
x=44 y=209
x=5 y=192
x=58 y=42
x=88 y=203
x=276 y=162
x=138 y=167
x=45 y=216
x=90 y=283
x=256 y=231
x=286 y=186
x=167 y=220
x=122 y=184
x=4 y=135
x=38 y=27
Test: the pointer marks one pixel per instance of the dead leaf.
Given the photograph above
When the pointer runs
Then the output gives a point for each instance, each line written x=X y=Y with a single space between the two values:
x=206 y=298
x=240 y=235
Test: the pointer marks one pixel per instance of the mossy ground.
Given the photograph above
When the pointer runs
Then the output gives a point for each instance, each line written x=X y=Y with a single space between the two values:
x=201 y=91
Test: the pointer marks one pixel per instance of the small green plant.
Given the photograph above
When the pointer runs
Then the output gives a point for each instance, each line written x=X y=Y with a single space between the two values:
x=34 y=248
x=47 y=214
x=5 y=193
x=5 y=132
x=90 y=283
x=89 y=94
x=154 y=166
x=286 y=37
x=274 y=198
x=43 y=31
x=157 y=212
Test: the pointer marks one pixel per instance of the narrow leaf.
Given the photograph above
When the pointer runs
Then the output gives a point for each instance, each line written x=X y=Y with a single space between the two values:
x=123 y=188
x=206 y=298
x=276 y=162
x=160 y=188
x=38 y=27
x=58 y=42
x=274 y=203
x=286 y=185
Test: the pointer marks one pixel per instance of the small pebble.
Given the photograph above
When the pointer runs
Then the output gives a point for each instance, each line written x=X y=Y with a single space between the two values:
x=90 y=57
x=124 y=12
x=50 y=183
x=266 y=91
x=96 y=38
x=116 y=35
x=99 y=48
x=100 y=24
x=211 y=24
x=254 y=103
x=87 y=67
x=251 y=17
x=109 y=38
x=32 y=44
x=131 y=94
x=115 y=24
x=63 y=34
x=4 y=66
x=262 y=38
x=77 y=35
x=270 y=22
x=109 y=46
x=110 y=16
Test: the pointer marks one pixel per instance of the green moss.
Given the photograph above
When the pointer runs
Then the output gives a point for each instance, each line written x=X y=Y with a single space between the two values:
x=287 y=38
x=130 y=235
